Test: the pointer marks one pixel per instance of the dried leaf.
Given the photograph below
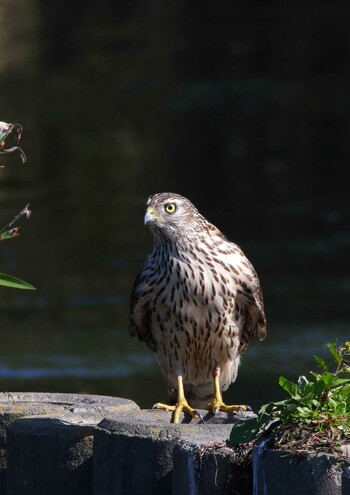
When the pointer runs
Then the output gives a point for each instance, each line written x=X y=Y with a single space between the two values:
x=7 y=129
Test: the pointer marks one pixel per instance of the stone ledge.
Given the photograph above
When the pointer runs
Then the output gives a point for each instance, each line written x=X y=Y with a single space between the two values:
x=96 y=445
x=26 y=418
x=47 y=455
x=277 y=472
x=138 y=454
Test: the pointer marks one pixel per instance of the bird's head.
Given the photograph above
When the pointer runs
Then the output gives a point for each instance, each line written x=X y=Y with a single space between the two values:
x=171 y=214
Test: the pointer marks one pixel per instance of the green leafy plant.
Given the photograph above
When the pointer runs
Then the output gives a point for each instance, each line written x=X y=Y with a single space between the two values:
x=318 y=409
x=10 y=230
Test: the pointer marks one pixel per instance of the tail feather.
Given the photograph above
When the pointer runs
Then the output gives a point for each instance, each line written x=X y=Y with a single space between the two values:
x=199 y=396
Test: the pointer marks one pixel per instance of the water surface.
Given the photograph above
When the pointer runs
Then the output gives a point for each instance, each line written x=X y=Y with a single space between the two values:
x=139 y=100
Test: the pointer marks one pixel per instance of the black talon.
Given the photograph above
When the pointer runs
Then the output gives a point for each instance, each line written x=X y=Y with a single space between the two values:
x=200 y=416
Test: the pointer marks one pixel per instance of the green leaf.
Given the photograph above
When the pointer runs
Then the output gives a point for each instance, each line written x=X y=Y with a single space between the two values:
x=332 y=404
x=341 y=408
x=303 y=382
x=333 y=350
x=327 y=379
x=340 y=381
x=321 y=363
x=9 y=234
x=269 y=410
x=310 y=389
x=9 y=281
x=320 y=386
x=291 y=407
x=244 y=431
x=289 y=387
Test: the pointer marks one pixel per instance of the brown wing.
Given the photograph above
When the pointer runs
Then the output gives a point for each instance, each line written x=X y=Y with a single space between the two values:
x=249 y=294
x=139 y=315
x=255 y=320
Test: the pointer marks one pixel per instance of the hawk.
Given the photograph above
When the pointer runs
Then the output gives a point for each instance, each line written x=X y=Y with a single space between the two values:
x=197 y=303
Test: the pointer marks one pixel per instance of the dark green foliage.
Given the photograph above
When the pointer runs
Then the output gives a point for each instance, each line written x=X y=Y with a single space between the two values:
x=321 y=404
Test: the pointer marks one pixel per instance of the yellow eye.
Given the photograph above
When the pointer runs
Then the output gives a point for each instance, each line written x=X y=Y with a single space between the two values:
x=170 y=208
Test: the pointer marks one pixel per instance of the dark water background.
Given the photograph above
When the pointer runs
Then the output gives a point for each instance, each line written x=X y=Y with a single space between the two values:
x=243 y=109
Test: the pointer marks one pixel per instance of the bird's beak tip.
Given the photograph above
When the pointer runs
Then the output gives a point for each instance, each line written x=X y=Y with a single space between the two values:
x=149 y=215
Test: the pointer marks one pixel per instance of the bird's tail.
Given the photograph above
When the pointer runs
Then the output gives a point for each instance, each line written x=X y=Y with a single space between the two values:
x=198 y=396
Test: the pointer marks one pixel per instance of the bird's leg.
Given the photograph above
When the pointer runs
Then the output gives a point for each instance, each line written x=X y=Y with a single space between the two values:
x=181 y=404
x=217 y=403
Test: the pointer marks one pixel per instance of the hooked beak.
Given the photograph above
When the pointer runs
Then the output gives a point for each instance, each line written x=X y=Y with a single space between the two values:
x=149 y=215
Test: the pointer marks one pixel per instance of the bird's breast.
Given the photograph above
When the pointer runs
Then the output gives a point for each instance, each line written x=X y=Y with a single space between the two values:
x=192 y=319
x=191 y=295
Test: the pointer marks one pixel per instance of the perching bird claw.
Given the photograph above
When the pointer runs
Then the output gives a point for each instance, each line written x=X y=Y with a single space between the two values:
x=216 y=406
x=177 y=409
x=181 y=404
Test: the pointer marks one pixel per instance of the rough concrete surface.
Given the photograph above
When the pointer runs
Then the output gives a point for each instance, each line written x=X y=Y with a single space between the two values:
x=90 y=445
x=54 y=414
x=209 y=468
x=303 y=474
x=138 y=454
x=49 y=456
x=346 y=481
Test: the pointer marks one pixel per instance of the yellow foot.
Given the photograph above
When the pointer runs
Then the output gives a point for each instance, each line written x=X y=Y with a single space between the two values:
x=218 y=405
x=181 y=406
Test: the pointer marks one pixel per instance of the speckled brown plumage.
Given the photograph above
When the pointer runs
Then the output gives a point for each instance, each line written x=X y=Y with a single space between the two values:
x=197 y=301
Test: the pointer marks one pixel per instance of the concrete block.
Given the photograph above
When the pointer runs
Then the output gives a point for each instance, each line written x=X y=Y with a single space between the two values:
x=139 y=453
x=207 y=468
x=90 y=445
x=87 y=409
x=9 y=413
x=49 y=456
x=346 y=480
x=305 y=474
